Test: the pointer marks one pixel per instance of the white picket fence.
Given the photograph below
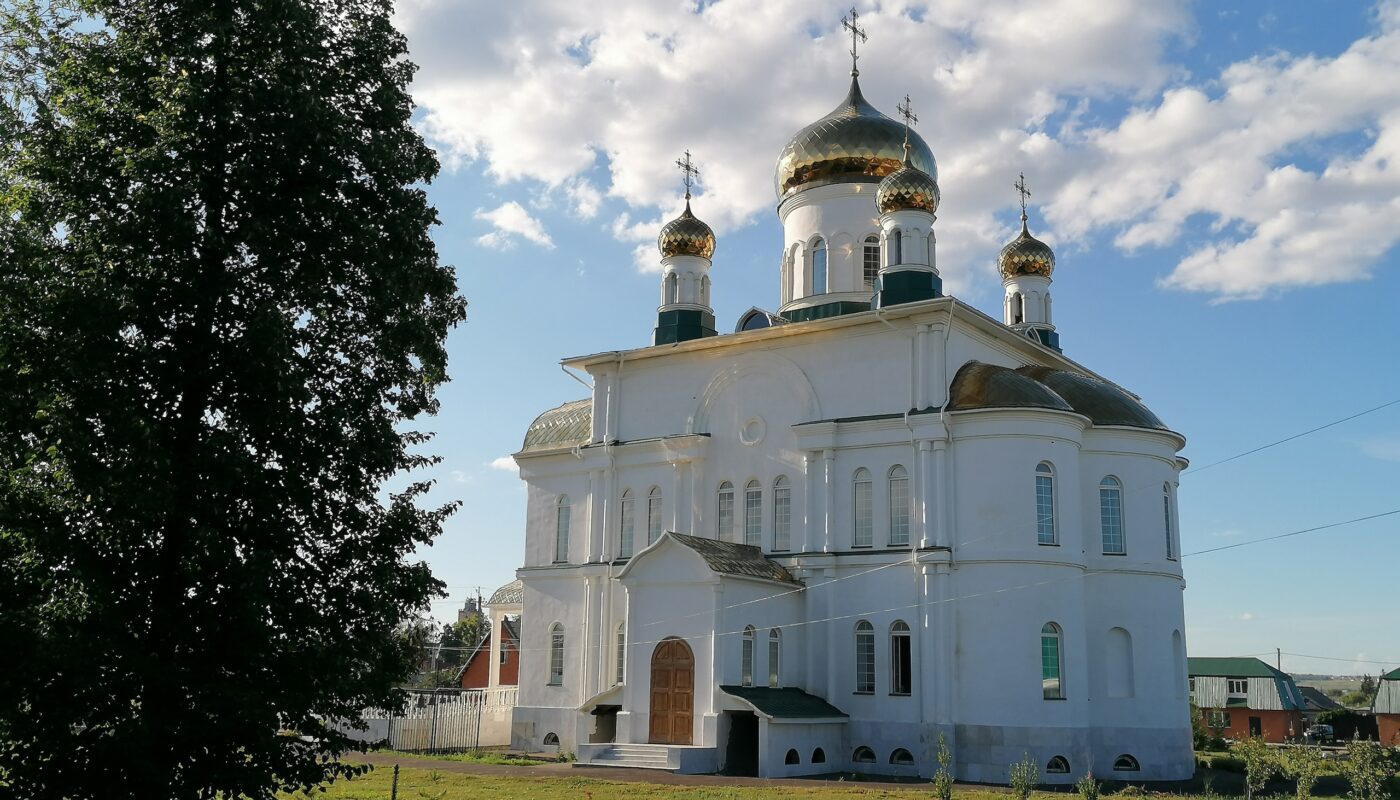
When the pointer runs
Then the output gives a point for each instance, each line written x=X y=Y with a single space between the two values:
x=443 y=720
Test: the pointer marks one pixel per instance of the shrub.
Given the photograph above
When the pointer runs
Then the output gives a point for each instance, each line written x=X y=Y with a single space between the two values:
x=1025 y=774
x=943 y=777
x=1304 y=765
x=1131 y=790
x=1260 y=764
x=1367 y=768
x=1087 y=787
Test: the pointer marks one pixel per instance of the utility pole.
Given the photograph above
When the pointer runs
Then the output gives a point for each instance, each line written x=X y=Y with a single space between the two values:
x=1278 y=658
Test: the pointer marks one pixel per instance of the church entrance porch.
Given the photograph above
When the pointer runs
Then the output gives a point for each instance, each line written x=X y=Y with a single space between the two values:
x=672 y=692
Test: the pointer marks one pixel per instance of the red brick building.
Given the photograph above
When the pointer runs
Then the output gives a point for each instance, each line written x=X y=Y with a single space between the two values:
x=476 y=673
x=1243 y=697
x=1386 y=707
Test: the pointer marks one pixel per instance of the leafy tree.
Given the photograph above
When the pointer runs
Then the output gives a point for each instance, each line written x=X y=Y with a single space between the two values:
x=220 y=313
x=1367 y=768
x=1304 y=765
x=1200 y=737
x=1260 y=764
x=1368 y=686
x=1025 y=775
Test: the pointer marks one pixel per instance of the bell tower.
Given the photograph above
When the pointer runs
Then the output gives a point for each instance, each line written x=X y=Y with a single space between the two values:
x=687 y=245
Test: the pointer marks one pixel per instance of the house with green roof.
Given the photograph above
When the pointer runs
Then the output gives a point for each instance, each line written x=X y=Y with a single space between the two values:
x=1386 y=707
x=1242 y=697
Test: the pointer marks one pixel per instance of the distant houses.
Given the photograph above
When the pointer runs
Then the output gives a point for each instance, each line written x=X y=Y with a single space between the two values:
x=1243 y=697
x=1386 y=707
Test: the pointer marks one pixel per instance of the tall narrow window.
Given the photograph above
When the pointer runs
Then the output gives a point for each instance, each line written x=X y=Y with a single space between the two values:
x=746 y=658
x=871 y=263
x=899 y=506
x=1045 y=504
x=628 y=525
x=865 y=658
x=1051 y=662
x=1111 y=516
x=556 y=655
x=782 y=514
x=621 y=652
x=1167 y=518
x=819 y=267
x=864 y=533
x=895 y=242
x=901 y=659
x=725 y=531
x=653 y=515
x=671 y=290
x=561 y=531
x=753 y=514
x=1018 y=314
x=775 y=657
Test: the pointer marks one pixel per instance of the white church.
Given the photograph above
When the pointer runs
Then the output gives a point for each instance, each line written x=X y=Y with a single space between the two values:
x=864 y=521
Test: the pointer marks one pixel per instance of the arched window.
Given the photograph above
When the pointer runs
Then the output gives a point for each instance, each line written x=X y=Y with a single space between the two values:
x=818 y=756
x=627 y=526
x=775 y=658
x=864 y=531
x=1111 y=516
x=901 y=756
x=551 y=738
x=561 y=531
x=1058 y=765
x=932 y=249
x=621 y=652
x=1018 y=312
x=725 y=531
x=870 y=263
x=1167 y=518
x=746 y=657
x=671 y=290
x=901 y=659
x=865 y=658
x=782 y=514
x=704 y=290
x=792 y=757
x=863 y=755
x=654 y=514
x=819 y=267
x=1119 y=656
x=556 y=655
x=1125 y=763
x=1051 y=662
x=899 y=506
x=1045 y=504
x=753 y=514
x=895 y=241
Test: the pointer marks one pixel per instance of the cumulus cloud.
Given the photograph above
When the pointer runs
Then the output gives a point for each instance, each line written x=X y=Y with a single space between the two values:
x=512 y=221
x=503 y=463
x=570 y=102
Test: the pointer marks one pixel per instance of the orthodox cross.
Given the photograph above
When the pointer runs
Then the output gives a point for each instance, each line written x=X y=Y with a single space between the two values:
x=910 y=118
x=690 y=172
x=857 y=33
x=1021 y=187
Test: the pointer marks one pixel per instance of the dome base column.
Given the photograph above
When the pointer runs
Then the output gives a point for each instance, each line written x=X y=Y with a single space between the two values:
x=907 y=286
x=682 y=325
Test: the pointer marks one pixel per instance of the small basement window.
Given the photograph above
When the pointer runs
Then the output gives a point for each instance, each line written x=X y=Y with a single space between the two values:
x=792 y=757
x=551 y=738
x=863 y=755
x=1058 y=765
x=818 y=756
x=1125 y=763
x=901 y=756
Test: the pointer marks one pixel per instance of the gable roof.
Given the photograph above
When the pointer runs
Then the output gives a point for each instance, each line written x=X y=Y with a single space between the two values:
x=1316 y=700
x=1232 y=668
x=1393 y=675
x=784 y=703
x=512 y=634
x=728 y=558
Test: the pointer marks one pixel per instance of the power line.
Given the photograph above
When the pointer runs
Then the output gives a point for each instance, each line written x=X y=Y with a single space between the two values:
x=1347 y=660
x=1293 y=533
x=1290 y=438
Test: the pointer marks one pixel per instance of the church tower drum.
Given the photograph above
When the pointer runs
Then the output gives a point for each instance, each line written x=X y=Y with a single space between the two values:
x=907 y=200
x=1026 y=265
x=687 y=244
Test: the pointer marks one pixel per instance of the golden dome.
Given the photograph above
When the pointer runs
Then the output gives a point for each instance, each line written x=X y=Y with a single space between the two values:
x=1026 y=255
x=907 y=189
x=686 y=236
x=854 y=143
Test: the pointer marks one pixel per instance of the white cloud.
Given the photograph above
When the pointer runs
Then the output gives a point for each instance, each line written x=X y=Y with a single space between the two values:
x=511 y=220
x=1247 y=616
x=1385 y=448
x=458 y=476
x=553 y=93
x=504 y=464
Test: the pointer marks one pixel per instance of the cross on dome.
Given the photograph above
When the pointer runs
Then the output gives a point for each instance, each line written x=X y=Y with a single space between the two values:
x=689 y=170
x=1020 y=185
x=910 y=118
x=857 y=33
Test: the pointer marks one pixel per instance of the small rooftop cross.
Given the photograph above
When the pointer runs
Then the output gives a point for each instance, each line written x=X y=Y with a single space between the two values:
x=690 y=172
x=1020 y=185
x=910 y=118
x=857 y=33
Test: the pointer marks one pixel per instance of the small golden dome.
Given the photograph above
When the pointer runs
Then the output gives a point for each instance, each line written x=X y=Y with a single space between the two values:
x=854 y=143
x=686 y=236
x=908 y=189
x=1026 y=255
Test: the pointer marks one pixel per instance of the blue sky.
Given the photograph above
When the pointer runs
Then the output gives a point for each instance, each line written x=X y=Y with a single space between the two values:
x=1219 y=181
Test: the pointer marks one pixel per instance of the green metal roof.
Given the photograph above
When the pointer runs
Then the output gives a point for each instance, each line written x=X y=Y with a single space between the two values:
x=784 y=703
x=1393 y=675
x=1232 y=668
x=565 y=426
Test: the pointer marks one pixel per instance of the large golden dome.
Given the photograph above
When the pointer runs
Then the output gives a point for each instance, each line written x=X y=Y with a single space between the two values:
x=855 y=143
x=1026 y=255
x=686 y=236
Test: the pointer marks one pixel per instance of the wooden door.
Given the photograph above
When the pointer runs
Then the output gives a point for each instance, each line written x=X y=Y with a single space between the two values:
x=672 y=692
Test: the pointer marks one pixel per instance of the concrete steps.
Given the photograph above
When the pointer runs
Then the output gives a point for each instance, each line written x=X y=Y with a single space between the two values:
x=637 y=756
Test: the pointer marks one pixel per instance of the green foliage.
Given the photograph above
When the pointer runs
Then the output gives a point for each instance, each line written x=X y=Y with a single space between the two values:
x=1131 y=790
x=943 y=776
x=1260 y=764
x=1304 y=764
x=1087 y=786
x=1368 y=686
x=1200 y=736
x=1025 y=775
x=220 y=314
x=1367 y=769
x=1358 y=699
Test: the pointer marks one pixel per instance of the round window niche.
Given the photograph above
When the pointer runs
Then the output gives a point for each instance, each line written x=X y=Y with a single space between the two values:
x=752 y=431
